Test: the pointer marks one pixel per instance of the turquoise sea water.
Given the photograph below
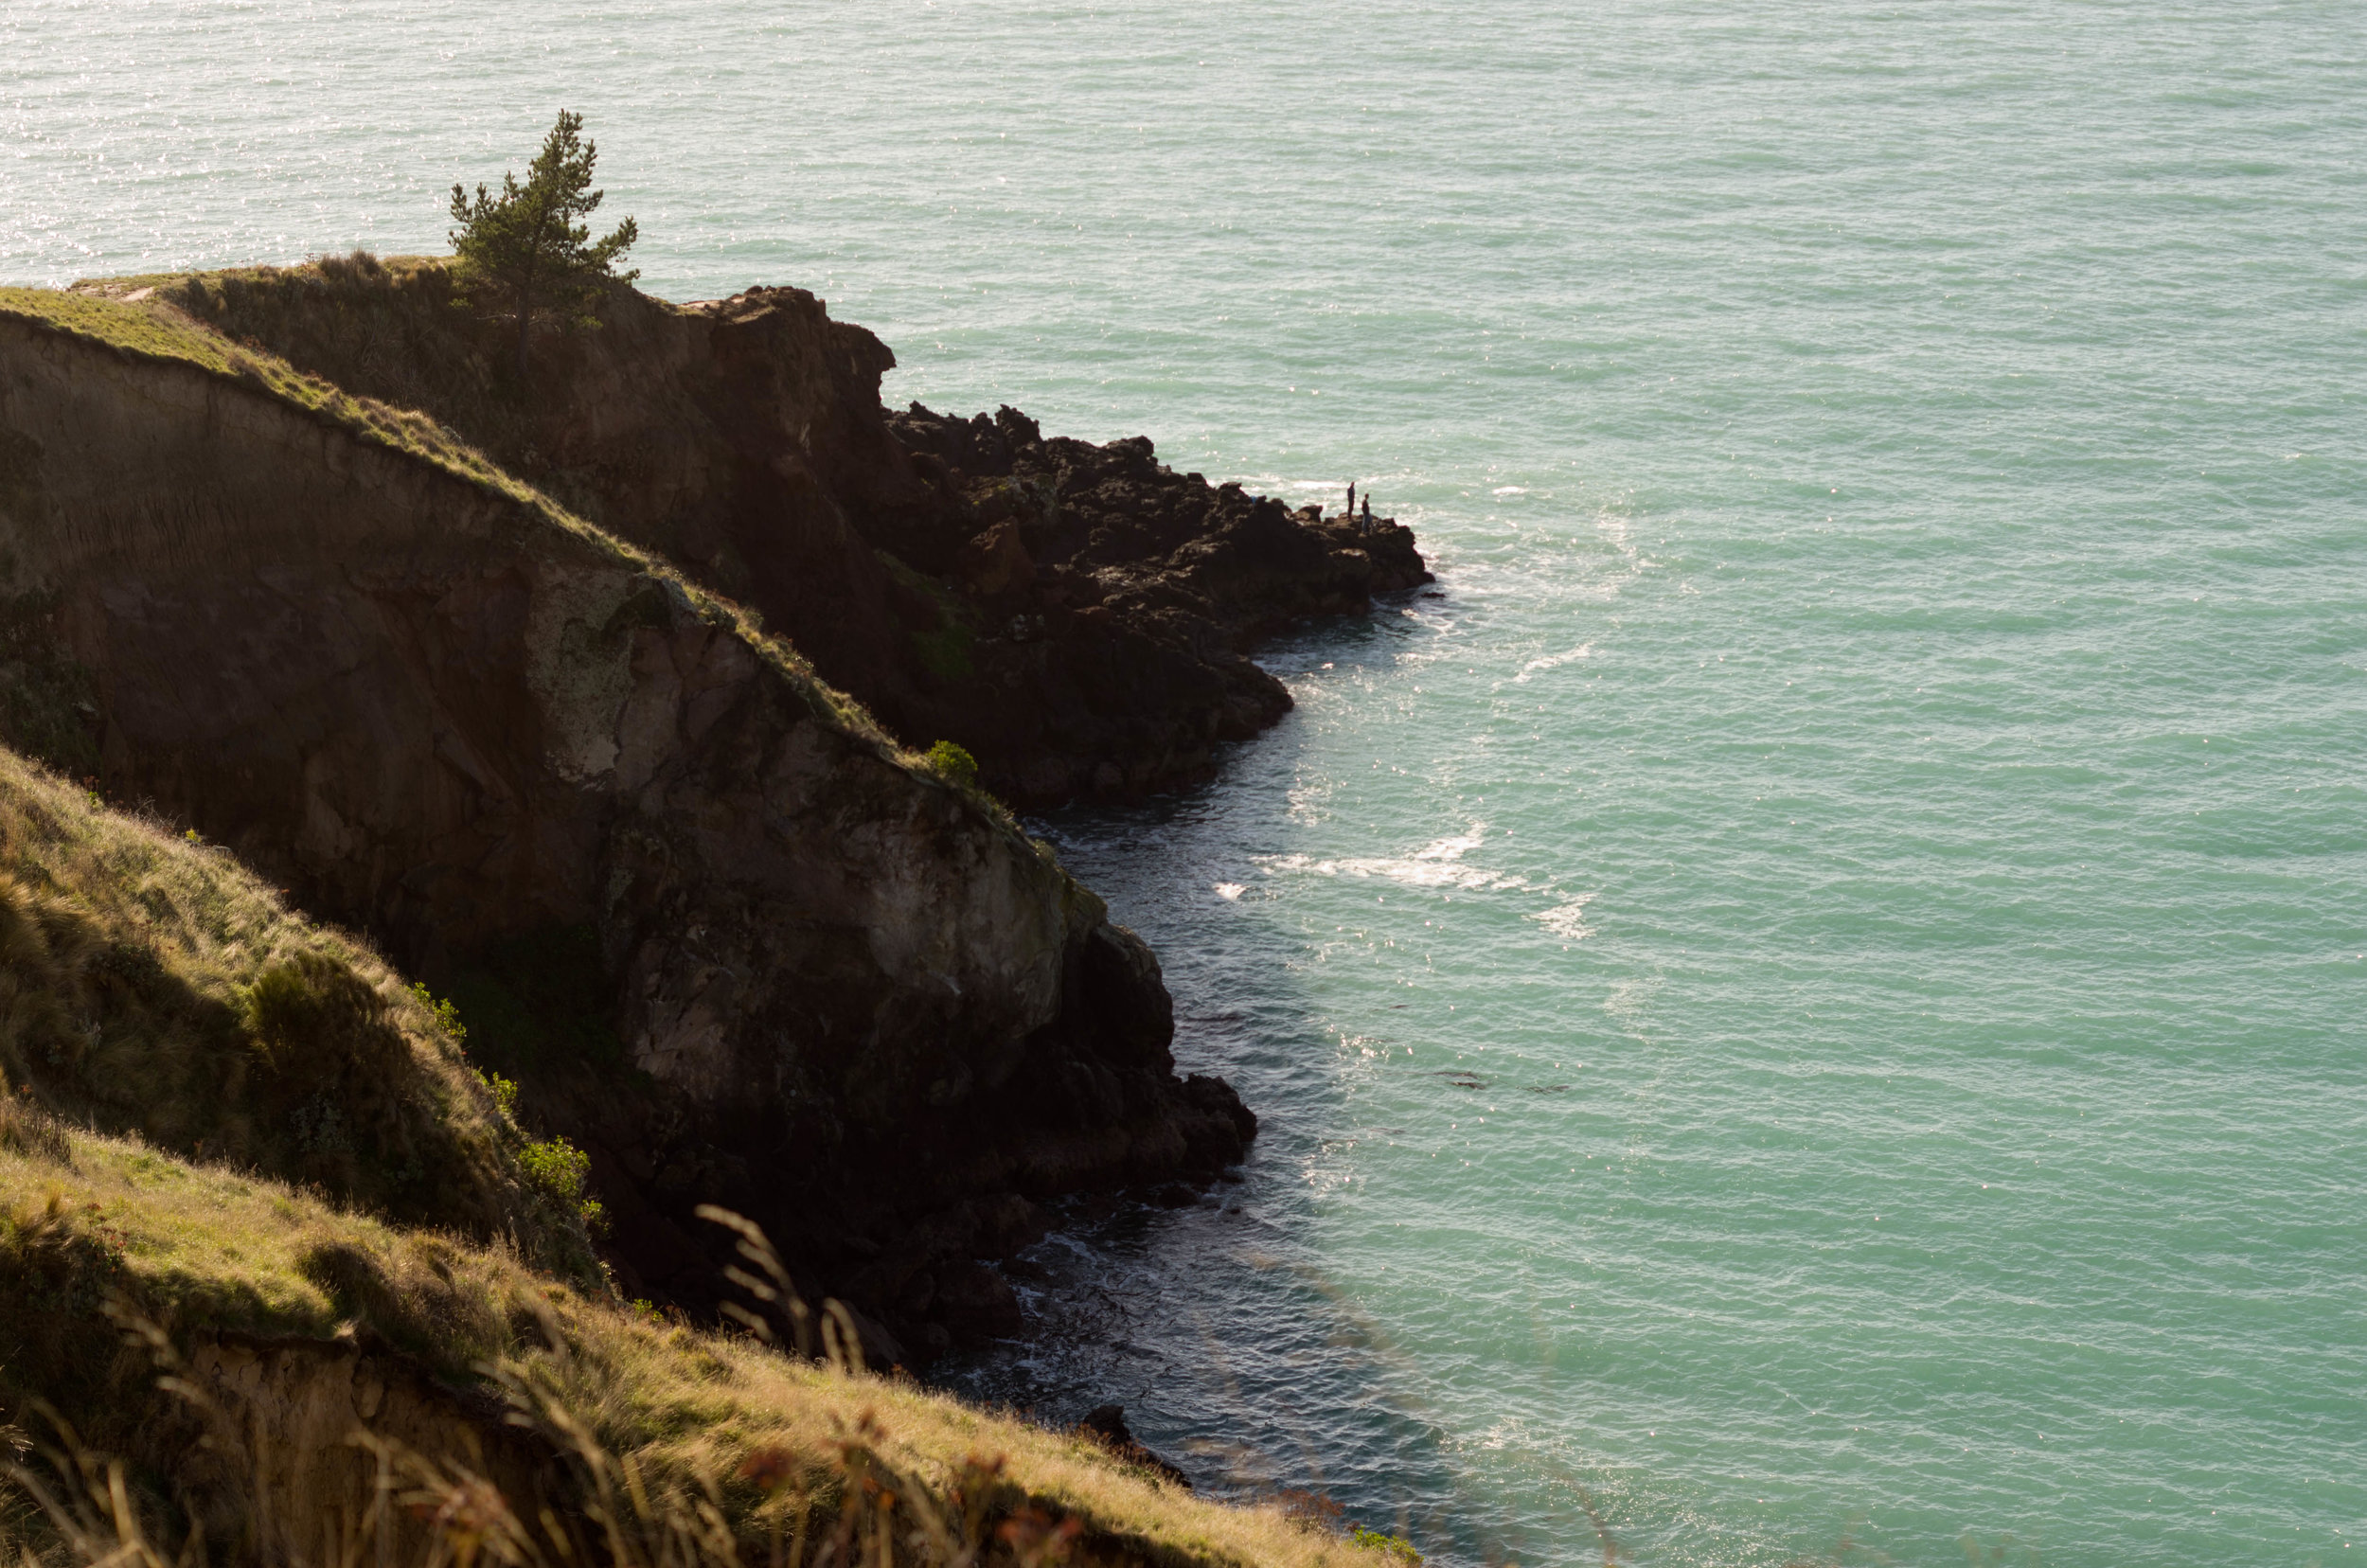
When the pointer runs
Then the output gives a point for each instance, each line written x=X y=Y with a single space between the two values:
x=1811 y=1004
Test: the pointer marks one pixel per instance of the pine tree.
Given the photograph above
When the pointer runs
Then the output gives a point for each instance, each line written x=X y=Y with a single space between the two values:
x=528 y=240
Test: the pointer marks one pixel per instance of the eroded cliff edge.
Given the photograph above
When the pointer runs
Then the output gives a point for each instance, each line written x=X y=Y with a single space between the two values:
x=1078 y=617
x=845 y=996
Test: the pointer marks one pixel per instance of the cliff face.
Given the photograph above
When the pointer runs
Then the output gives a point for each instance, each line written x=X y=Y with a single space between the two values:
x=435 y=707
x=1078 y=617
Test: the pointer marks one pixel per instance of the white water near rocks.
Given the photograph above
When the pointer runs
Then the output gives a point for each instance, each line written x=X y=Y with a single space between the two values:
x=1809 y=1005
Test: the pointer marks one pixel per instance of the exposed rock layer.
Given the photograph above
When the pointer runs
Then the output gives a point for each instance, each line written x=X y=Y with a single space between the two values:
x=855 y=1002
x=1077 y=616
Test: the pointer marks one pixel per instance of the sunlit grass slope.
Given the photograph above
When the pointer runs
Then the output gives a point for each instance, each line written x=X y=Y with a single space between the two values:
x=172 y=1035
x=151 y=984
x=195 y=1247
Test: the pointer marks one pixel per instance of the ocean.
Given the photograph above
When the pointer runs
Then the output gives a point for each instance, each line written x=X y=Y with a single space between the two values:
x=1809 y=1001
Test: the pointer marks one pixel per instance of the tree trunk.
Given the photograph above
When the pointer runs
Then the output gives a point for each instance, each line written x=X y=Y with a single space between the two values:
x=526 y=324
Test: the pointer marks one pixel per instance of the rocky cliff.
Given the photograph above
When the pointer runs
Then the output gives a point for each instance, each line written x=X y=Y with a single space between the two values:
x=844 y=995
x=1077 y=616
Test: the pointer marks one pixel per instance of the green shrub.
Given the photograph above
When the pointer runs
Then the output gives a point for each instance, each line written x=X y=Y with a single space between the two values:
x=447 y=1016
x=310 y=1014
x=954 y=763
x=559 y=1169
x=1396 y=1546
x=505 y=1092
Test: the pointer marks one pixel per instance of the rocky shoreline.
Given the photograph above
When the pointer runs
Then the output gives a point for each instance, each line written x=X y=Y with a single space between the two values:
x=1133 y=596
x=1077 y=616
x=721 y=924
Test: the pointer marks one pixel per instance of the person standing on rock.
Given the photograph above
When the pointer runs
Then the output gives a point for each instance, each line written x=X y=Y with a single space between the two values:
x=1351 y=500
x=1367 y=525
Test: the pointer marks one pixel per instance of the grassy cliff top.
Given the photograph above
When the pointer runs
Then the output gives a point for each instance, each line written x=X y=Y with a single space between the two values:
x=136 y=317
x=190 y=1247
x=145 y=327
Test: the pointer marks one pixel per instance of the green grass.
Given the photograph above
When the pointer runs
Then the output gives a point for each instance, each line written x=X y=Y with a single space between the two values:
x=153 y=329
x=944 y=653
x=944 y=650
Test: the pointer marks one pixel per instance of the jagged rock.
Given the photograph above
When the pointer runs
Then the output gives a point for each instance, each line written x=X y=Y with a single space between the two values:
x=996 y=561
x=1150 y=589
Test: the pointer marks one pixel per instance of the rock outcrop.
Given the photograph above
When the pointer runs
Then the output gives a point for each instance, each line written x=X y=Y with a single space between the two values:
x=1116 y=600
x=1077 y=616
x=849 y=998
